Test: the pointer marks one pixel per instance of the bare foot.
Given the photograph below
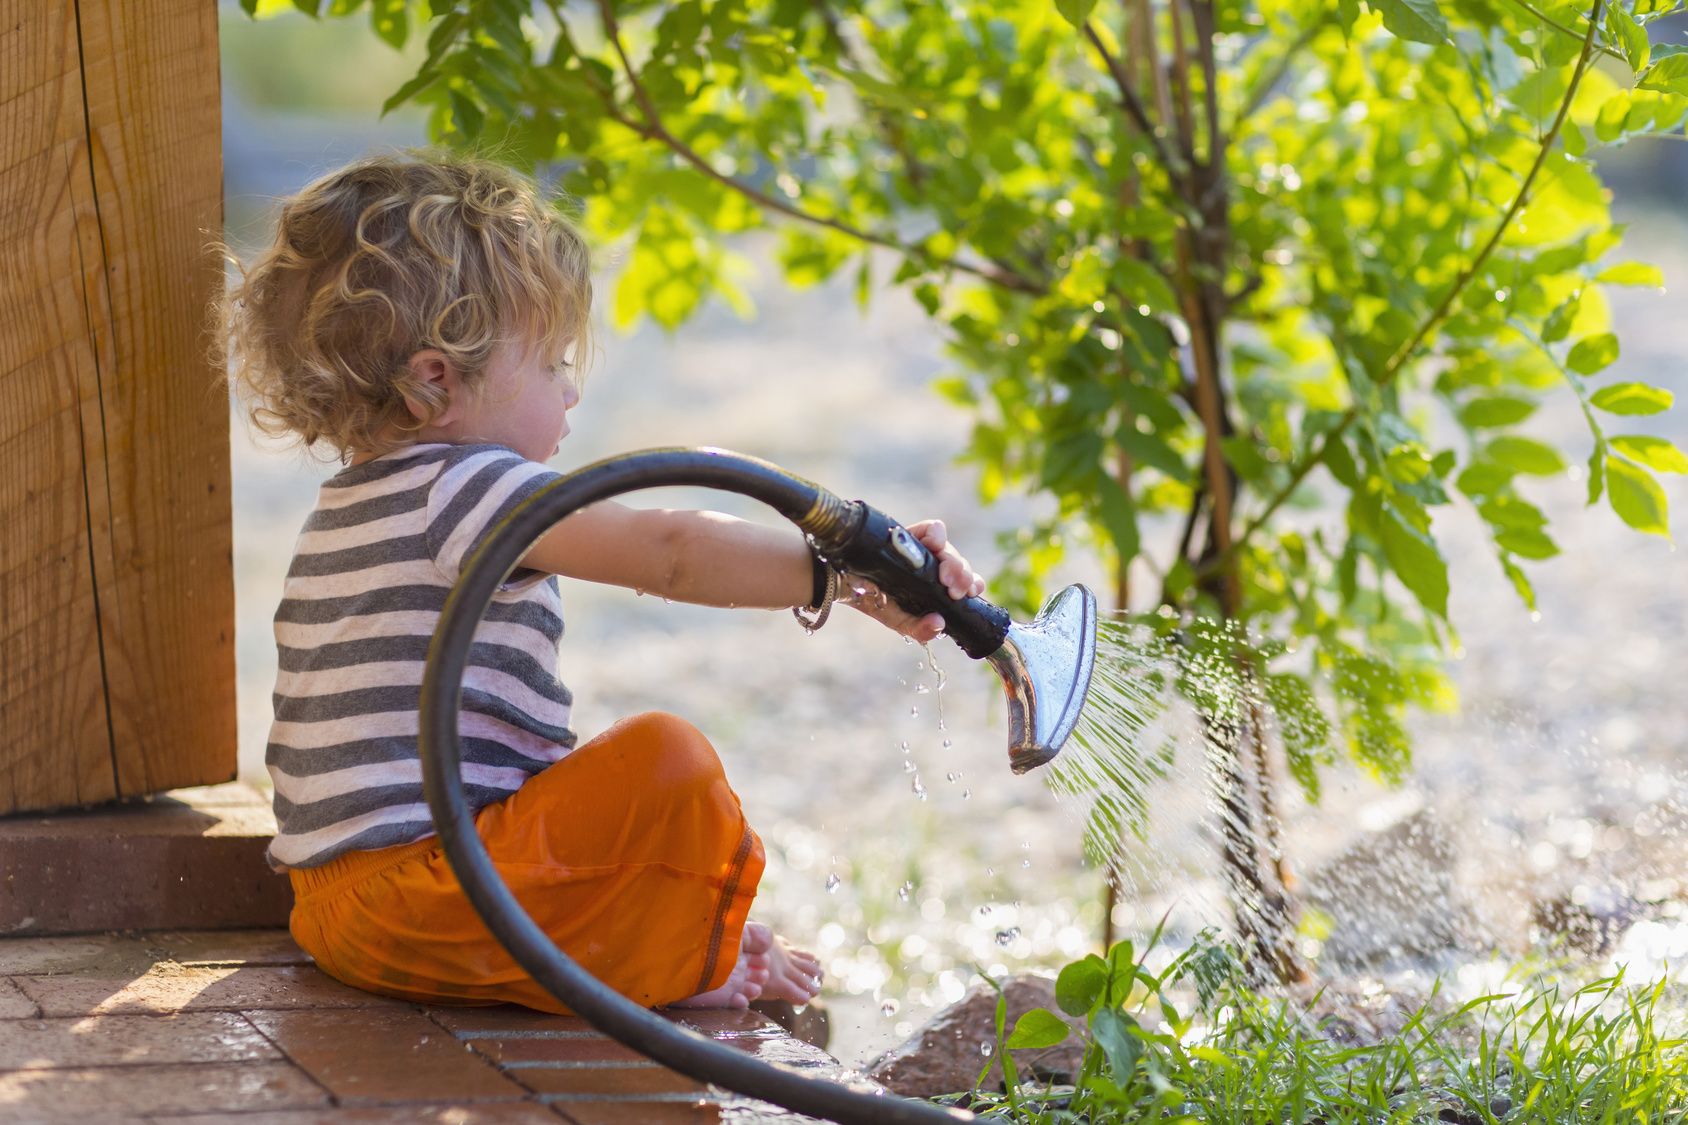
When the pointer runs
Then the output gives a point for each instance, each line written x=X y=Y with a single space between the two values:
x=794 y=975
x=766 y=966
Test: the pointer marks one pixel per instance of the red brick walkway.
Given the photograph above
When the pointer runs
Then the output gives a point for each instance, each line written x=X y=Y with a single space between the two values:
x=226 y=1028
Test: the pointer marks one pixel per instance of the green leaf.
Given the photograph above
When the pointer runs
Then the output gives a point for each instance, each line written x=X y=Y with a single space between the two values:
x=1340 y=461
x=1632 y=398
x=390 y=21
x=1631 y=36
x=1558 y=324
x=1119 y=515
x=1497 y=410
x=1080 y=985
x=1637 y=497
x=1526 y=455
x=1413 y=557
x=1531 y=544
x=1143 y=285
x=1112 y=1030
x=1654 y=452
x=1482 y=478
x=1151 y=450
x=1668 y=76
x=1302 y=726
x=1520 y=581
x=1634 y=273
x=466 y=115
x=1038 y=1028
x=1614 y=111
x=1075 y=12
x=1512 y=512
x=1419 y=21
x=1593 y=353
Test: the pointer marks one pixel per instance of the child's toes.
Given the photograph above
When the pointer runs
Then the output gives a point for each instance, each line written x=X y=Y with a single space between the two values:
x=756 y=938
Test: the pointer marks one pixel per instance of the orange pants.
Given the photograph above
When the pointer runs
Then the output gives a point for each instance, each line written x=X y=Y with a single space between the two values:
x=632 y=853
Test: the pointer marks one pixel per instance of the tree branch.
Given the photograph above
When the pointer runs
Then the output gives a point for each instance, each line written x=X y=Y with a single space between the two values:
x=1263 y=88
x=1133 y=105
x=1572 y=32
x=653 y=129
x=1434 y=320
x=1406 y=350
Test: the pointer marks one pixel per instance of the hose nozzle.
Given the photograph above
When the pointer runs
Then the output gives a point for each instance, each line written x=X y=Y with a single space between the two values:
x=1045 y=666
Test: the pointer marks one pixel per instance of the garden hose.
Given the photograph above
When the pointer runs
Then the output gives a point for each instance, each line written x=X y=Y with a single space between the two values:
x=844 y=532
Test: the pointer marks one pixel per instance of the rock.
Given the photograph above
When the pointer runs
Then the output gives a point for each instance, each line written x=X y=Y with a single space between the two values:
x=1588 y=920
x=1363 y=1011
x=809 y=1024
x=1391 y=899
x=943 y=1057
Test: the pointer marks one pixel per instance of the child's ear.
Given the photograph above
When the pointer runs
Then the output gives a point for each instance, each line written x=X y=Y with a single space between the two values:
x=434 y=391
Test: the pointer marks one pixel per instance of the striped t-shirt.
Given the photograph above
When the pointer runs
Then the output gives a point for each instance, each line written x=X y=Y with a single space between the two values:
x=370 y=575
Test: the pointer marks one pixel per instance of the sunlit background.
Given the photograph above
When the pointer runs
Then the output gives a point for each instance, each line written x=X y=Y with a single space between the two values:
x=900 y=847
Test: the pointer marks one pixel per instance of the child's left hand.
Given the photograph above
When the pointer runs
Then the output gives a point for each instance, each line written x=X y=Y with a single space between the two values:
x=958 y=578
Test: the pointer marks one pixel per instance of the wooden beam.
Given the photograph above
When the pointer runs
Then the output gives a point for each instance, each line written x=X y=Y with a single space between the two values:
x=117 y=612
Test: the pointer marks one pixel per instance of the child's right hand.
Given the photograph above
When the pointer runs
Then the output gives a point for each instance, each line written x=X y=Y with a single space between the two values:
x=958 y=578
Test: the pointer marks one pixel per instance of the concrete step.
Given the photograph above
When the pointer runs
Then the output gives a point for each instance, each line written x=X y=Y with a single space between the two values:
x=190 y=859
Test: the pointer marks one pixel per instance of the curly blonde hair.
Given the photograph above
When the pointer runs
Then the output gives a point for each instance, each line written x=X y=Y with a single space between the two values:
x=380 y=260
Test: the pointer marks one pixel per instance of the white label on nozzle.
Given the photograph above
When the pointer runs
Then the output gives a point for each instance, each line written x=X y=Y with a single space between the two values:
x=907 y=545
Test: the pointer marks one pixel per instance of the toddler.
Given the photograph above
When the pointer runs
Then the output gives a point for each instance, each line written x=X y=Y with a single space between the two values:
x=418 y=317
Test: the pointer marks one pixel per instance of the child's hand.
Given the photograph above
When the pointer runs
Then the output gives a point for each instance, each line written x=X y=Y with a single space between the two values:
x=958 y=578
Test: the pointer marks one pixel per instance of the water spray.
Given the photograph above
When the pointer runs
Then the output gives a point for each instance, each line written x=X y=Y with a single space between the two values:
x=1045 y=668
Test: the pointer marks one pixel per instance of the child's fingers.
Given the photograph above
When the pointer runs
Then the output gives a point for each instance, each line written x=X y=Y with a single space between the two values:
x=932 y=533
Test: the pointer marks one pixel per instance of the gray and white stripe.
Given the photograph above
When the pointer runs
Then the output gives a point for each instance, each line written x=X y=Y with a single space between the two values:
x=370 y=575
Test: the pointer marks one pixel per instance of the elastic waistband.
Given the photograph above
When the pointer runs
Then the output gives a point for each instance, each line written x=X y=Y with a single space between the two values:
x=354 y=867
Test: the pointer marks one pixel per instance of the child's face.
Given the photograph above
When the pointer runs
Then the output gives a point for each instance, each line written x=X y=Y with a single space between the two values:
x=522 y=402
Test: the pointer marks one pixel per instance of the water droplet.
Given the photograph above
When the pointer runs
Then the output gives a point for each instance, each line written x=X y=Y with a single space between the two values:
x=985 y=1049
x=908 y=640
x=914 y=712
x=888 y=1009
x=638 y=593
x=905 y=747
x=966 y=793
x=908 y=767
x=922 y=689
x=919 y=789
x=904 y=891
x=949 y=776
x=948 y=744
x=832 y=882
x=1025 y=863
x=667 y=601
x=1006 y=937
x=940 y=724
x=1025 y=844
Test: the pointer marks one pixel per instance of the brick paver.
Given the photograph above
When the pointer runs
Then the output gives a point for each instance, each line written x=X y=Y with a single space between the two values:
x=241 y=1029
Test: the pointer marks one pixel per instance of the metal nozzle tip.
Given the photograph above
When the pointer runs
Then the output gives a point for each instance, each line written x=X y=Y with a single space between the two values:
x=1045 y=668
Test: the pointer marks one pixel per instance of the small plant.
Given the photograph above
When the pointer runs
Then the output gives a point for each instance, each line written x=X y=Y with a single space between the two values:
x=1552 y=1052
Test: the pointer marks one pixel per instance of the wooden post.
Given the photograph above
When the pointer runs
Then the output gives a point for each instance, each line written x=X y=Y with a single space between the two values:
x=116 y=575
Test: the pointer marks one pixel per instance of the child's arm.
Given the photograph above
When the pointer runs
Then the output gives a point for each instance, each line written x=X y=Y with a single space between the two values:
x=712 y=559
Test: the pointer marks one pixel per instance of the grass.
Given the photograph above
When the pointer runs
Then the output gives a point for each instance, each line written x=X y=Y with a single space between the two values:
x=1553 y=1052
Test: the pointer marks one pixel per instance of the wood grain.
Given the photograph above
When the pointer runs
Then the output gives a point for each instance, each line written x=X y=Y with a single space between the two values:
x=117 y=631
x=55 y=743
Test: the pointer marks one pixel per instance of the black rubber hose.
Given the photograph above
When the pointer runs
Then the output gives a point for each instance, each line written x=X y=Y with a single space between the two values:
x=677 y=1048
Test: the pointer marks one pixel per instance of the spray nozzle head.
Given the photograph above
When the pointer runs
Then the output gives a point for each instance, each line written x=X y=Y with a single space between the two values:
x=1045 y=667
